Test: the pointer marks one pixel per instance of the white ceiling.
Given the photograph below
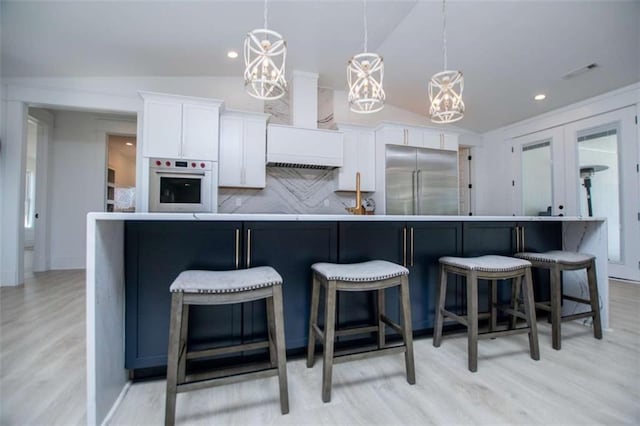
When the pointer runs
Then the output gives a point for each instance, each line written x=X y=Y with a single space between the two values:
x=508 y=50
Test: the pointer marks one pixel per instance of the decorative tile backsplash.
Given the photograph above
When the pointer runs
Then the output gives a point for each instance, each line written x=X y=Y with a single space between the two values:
x=291 y=191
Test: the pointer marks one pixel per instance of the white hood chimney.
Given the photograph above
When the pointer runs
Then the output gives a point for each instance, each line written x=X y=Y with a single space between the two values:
x=304 y=100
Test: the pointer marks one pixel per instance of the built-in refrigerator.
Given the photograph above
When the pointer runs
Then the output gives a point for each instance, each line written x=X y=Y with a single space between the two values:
x=421 y=181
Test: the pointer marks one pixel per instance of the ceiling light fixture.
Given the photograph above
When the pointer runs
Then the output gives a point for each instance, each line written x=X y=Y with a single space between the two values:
x=445 y=87
x=128 y=144
x=265 y=52
x=232 y=54
x=540 y=97
x=365 y=72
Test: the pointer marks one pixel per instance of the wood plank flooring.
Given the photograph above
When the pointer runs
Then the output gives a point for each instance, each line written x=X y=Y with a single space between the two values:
x=42 y=361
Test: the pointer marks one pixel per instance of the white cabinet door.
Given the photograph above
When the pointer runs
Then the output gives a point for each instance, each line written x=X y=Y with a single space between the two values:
x=393 y=135
x=242 y=151
x=231 y=151
x=414 y=137
x=199 y=132
x=439 y=140
x=162 y=129
x=255 y=154
x=449 y=142
x=359 y=156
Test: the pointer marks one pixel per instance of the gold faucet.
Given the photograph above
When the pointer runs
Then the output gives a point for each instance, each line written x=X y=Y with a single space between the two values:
x=358 y=209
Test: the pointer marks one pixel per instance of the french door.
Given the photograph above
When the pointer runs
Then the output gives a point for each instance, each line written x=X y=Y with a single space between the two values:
x=586 y=168
x=602 y=180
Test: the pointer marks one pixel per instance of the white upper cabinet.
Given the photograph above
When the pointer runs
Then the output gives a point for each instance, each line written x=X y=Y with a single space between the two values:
x=418 y=137
x=359 y=156
x=180 y=127
x=440 y=140
x=242 y=149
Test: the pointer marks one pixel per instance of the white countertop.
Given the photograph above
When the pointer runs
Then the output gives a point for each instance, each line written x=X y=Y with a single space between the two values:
x=330 y=217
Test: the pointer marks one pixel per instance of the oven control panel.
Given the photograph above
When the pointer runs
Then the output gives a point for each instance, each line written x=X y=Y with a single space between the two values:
x=164 y=163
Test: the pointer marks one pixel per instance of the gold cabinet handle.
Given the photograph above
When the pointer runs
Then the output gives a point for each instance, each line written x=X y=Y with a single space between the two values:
x=522 y=238
x=412 y=246
x=237 y=248
x=517 y=229
x=248 y=248
x=404 y=246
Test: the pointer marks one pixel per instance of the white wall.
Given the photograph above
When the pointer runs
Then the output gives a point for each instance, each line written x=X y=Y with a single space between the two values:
x=77 y=170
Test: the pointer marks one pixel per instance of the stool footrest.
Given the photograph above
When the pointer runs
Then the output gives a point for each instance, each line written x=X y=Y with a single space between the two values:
x=492 y=334
x=578 y=316
x=227 y=350
x=357 y=330
x=318 y=332
x=385 y=319
x=368 y=353
x=514 y=313
x=577 y=299
x=462 y=319
x=226 y=379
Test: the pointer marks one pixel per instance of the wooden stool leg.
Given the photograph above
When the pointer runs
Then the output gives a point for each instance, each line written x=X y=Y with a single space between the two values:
x=381 y=324
x=278 y=319
x=516 y=284
x=313 y=321
x=184 y=335
x=407 y=330
x=556 y=308
x=329 y=334
x=493 y=301
x=530 y=314
x=594 y=297
x=173 y=354
x=472 y=320
x=271 y=331
x=442 y=296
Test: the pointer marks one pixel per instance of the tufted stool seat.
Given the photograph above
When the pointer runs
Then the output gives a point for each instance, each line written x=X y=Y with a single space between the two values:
x=492 y=268
x=195 y=287
x=372 y=275
x=557 y=261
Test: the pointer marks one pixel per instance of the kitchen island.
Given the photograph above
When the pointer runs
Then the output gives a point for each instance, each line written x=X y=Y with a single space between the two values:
x=133 y=258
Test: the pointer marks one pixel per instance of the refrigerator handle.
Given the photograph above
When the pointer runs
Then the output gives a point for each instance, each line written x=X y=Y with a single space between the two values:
x=418 y=190
x=413 y=191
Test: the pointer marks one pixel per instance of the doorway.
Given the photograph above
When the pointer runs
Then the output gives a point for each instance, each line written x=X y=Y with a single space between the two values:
x=121 y=174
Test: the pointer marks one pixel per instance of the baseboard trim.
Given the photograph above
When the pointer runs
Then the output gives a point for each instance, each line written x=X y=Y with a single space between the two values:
x=116 y=404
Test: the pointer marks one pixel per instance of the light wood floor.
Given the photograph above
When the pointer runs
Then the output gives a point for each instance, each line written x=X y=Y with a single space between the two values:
x=588 y=382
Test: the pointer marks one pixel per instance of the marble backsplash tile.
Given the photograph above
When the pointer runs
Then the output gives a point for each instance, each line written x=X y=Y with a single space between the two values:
x=289 y=191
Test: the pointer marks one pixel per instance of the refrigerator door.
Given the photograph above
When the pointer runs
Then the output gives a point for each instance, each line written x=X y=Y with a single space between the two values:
x=437 y=182
x=401 y=177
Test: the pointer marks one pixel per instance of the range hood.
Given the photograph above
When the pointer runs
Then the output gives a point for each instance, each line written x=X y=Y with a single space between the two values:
x=303 y=145
x=289 y=146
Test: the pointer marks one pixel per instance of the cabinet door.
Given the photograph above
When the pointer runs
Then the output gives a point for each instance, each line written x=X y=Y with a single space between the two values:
x=439 y=140
x=255 y=153
x=162 y=131
x=199 y=132
x=231 y=151
x=359 y=242
x=290 y=248
x=155 y=253
x=359 y=156
x=393 y=135
x=414 y=137
x=427 y=242
x=450 y=142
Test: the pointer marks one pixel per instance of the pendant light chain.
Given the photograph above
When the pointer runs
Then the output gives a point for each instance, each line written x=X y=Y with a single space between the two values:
x=444 y=34
x=265 y=14
x=364 y=12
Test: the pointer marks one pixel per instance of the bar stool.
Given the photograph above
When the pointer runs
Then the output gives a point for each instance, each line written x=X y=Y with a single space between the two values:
x=491 y=268
x=219 y=288
x=373 y=275
x=557 y=261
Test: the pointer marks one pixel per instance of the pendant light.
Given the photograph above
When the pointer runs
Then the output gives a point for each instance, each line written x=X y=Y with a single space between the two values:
x=265 y=52
x=364 y=75
x=445 y=87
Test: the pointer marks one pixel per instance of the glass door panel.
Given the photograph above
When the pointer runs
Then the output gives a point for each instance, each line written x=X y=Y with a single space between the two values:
x=599 y=178
x=537 y=190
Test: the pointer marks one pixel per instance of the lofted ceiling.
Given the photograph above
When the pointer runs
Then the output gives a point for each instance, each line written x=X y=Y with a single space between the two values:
x=507 y=50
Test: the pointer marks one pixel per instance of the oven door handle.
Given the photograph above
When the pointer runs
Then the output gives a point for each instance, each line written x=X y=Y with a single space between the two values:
x=179 y=173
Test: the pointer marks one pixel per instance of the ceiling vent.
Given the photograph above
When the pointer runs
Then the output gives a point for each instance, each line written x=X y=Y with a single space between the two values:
x=580 y=71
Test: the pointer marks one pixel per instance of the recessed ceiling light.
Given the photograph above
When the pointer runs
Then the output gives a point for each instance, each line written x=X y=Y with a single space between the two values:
x=540 y=97
x=128 y=144
x=232 y=54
